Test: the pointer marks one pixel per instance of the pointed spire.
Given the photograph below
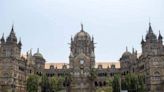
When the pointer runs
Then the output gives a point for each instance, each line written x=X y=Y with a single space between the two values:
x=150 y=28
x=12 y=37
x=71 y=38
x=82 y=27
x=71 y=55
x=20 y=43
x=126 y=49
x=38 y=50
x=31 y=52
x=92 y=54
x=2 y=39
x=92 y=38
x=142 y=42
x=133 y=50
x=160 y=36
x=12 y=29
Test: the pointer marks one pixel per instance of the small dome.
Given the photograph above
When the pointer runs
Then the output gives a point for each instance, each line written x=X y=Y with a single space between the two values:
x=126 y=53
x=38 y=54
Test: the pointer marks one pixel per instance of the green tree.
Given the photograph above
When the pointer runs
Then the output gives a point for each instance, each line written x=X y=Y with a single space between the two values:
x=92 y=77
x=134 y=83
x=131 y=82
x=141 y=87
x=116 y=83
x=56 y=83
x=32 y=83
x=44 y=84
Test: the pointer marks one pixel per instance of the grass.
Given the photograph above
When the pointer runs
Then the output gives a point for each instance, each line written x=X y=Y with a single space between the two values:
x=104 y=89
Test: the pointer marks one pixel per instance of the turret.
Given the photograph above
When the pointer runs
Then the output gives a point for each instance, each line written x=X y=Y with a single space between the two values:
x=142 y=42
x=12 y=37
x=20 y=43
x=2 y=39
x=151 y=37
x=160 y=38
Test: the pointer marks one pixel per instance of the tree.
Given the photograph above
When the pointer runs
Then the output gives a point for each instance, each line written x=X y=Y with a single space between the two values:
x=44 y=84
x=116 y=83
x=32 y=83
x=67 y=82
x=92 y=77
x=56 y=83
x=134 y=83
x=141 y=87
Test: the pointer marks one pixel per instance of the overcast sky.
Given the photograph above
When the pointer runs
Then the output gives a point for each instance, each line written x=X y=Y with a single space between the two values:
x=49 y=24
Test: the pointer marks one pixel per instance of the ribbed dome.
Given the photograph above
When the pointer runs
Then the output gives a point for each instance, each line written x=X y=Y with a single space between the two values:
x=38 y=54
x=126 y=53
x=82 y=35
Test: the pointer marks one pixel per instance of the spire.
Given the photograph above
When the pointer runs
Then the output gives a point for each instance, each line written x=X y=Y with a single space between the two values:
x=142 y=42
x=92 y=38
x=12 y=37
x=2 y=39
x=150 y=28
x=133 y=50
x=160 y=36
x=31 y=51
x=71 y=55
x=20 y=43
x=126 y=49
x=38 y=50
x=82 y=27
x=92 y=54
x=71 y=38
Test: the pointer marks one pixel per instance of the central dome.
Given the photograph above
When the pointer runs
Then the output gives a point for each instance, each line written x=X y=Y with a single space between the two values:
x=82 y=35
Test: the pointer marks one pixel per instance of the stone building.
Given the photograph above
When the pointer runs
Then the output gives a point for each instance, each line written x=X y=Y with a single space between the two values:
x=149 y=64
x=12 y=65
x=15 y=67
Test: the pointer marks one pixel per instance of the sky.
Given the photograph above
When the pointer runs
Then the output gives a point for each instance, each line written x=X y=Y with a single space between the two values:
x=49 y=24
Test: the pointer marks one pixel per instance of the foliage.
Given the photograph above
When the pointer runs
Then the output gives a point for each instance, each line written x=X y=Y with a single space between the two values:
x=32 y=83
x=104 y=89
x=44 y=84
x=134 y=83
x=109 y=81
x=116 y=83
x=56 y=83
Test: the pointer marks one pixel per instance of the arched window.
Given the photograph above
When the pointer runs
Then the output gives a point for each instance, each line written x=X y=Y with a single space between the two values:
x=156 y=75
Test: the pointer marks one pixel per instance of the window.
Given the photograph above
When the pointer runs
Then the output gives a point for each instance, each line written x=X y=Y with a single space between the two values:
x=156 y=76
x=81 y=62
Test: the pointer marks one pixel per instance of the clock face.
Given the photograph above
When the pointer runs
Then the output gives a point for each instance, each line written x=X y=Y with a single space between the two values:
x=81 y=62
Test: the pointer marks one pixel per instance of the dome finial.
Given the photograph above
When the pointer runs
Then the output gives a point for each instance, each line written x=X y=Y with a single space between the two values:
x=82 y=27
x=126 y=49
x=38 y=50
x=150 y=28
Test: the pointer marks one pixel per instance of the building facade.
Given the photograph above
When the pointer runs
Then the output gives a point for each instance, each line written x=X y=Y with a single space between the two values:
x=15 y=68
x=150 y=64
